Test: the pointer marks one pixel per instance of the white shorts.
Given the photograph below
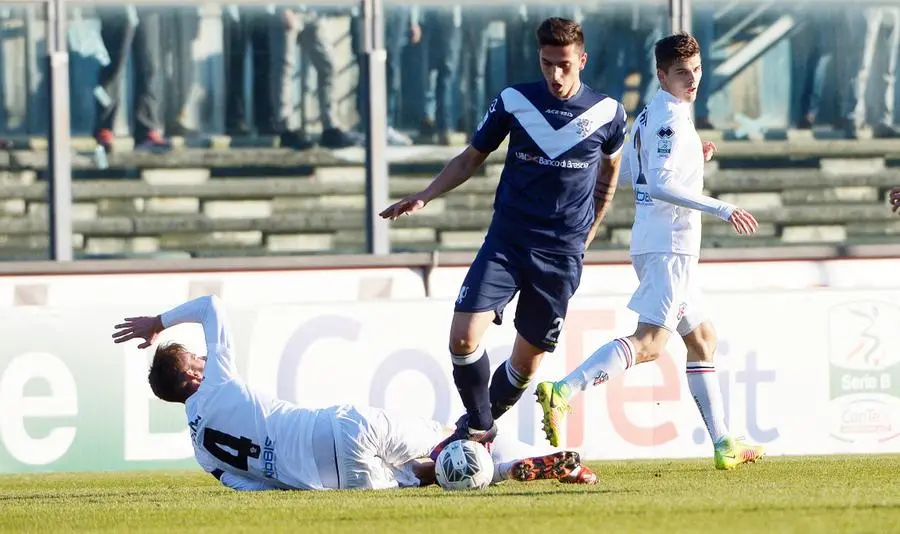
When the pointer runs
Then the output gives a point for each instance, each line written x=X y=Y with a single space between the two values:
x=669 y=294
x=373 y=447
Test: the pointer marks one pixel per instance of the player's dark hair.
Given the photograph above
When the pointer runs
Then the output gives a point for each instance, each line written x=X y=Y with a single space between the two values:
x=557 y=31
x=674 y=48
x=166 y=376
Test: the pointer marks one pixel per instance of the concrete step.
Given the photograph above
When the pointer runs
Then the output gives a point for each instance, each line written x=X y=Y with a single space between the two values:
x=752 y=180
x=232 y=188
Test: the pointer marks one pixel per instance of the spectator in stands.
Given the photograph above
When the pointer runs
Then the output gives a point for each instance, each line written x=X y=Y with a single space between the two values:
x=704 y=30
x=894 y=198
x=401 y=27
x=180 y=27
x=315 y=46
x=123 y=30
x=625 y=39
x=442 y=41
x=815 y=46
x=865 y=29
x=271 y=33
x=473 y=63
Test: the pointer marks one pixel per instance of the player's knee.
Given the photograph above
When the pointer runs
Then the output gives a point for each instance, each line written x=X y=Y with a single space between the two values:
x=525 y=365
x=462 y=345
x=466 y=331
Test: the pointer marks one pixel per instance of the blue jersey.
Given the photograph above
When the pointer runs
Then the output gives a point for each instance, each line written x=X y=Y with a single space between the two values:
x=545 y=198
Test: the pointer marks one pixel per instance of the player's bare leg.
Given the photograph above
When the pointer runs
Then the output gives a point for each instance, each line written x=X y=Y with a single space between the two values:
x=704 y=385
x=471 y=374
x=511 y=378
x=610 y=360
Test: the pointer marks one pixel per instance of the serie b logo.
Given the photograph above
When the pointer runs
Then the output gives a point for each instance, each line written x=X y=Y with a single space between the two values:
x=864 y=372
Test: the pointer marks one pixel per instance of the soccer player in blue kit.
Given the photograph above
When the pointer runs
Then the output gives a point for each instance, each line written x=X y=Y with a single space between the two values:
x=559 y=178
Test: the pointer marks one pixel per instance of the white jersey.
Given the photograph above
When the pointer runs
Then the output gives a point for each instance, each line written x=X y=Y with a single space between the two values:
x=664 y=157
x=260 y=441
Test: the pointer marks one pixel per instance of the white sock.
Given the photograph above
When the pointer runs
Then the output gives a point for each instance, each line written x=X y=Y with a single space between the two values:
x=502 y=471
x=704 y=386
x=607 y=362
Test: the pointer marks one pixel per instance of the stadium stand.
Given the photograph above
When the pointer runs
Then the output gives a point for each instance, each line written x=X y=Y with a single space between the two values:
x=208 y=202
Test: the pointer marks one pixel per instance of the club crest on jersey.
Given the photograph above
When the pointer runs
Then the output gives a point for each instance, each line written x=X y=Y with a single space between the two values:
x=584 y=126
x=492 y=108
x=463 y=293
x=665 y=132
x=663 y=147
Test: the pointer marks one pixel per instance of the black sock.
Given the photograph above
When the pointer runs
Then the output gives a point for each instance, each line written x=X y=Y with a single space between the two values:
x=507 y=387
x=472 y=373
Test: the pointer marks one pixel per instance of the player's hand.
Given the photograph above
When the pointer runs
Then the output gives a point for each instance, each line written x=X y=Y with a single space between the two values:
x=146 y=328
x=743 y=222
x=895 y=199
x=408 y=205
x=709 y=148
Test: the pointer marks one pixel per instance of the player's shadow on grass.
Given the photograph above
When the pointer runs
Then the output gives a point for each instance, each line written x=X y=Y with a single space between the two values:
x=490 y=494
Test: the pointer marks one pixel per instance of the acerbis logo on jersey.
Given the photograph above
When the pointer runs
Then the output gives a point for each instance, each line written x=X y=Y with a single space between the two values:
x=560 y=112
x=561 y=163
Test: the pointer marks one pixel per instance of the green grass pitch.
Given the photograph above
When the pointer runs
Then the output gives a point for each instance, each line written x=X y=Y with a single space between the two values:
x=833 y=494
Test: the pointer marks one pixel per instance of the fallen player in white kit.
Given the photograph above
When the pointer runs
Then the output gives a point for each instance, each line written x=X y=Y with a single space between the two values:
x=665 y=159
x=250 y=441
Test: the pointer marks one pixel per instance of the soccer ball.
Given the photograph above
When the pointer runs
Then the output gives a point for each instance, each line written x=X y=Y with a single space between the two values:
x=463 y=465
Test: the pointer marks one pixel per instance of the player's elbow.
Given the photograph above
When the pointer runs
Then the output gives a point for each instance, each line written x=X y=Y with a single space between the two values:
x=655 y=190
x=656 y=187
x=471 y=158
x=211 y=304
x=211 y=301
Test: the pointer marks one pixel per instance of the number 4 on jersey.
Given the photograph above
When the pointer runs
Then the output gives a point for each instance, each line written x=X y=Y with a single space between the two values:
x=244 y=448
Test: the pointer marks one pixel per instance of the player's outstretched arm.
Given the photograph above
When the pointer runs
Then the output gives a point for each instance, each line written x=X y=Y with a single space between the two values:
x=604 y=191
x=743 y=222
x=208 y=312
x=144 y=328
x=454 y=174
x=663 y=186
x=894 y=198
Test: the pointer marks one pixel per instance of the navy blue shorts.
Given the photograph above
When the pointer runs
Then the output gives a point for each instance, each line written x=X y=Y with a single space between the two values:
x=545 y=282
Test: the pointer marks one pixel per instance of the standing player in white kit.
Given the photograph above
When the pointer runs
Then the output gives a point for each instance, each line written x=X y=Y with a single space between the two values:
x=250 y=441
x=665 y=159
